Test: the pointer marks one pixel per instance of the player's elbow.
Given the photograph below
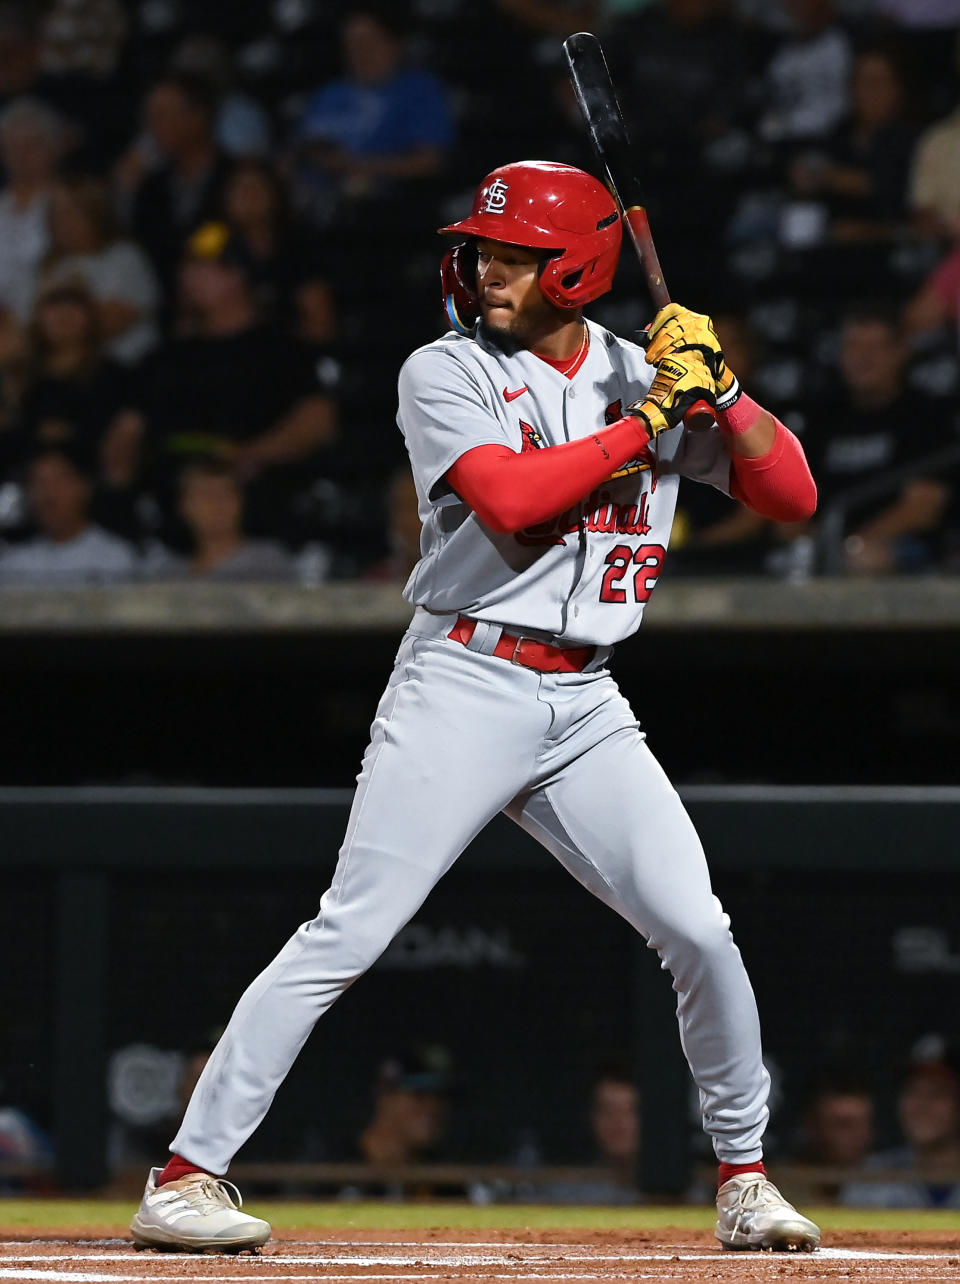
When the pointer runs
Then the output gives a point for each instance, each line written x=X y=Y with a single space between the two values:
x=793 y=508
x=796 y=503
x=500 y=523
x=806 y=502
x=797 y=508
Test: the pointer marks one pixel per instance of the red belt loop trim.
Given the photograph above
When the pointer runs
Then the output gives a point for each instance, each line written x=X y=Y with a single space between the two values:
x=528 y=652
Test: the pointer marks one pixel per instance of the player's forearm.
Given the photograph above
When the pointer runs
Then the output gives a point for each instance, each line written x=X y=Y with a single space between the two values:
x=768 y=469
x=510 y=491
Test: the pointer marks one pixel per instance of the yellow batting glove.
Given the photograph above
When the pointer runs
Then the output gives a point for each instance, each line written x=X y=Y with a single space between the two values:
x=682 y=379
x=676 y=330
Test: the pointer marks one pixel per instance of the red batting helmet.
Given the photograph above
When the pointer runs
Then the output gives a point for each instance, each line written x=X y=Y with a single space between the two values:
x=561 y=210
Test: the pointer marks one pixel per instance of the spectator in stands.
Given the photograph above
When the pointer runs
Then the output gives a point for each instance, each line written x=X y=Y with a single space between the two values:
x=211 y=506
x=383 y=123
x=69 y=548
x=613 y=1116
x=175 y=173
x=808 y=76
x=685 y=54
x=615 y=1128
x=403 y=531
x=936 y=305
x=233 y=386
x=23 y=1143
x=22 y=70
x=84 y=244
x=74 y=395
x=935 y=182
x=80 y=45
x=410 y=1118
x=19 y=52
x=241 y=126
x=860 y=172
x=870 y=432
x=837 y=1131
x=838 y=1125
x=410 y=1109
x=30 y=145
x=13 y=363
x=615 y=1132
x=288 y=272
x=85 y=39
x=929 y=1114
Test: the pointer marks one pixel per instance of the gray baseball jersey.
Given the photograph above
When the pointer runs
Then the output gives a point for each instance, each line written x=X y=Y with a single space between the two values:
x=585 y=576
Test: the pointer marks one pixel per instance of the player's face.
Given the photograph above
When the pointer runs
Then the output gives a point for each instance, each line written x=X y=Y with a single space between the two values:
x=509 y=292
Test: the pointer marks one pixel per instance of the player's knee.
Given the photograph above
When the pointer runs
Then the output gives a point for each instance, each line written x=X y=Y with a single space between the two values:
x=696 y=943
x=355 y=951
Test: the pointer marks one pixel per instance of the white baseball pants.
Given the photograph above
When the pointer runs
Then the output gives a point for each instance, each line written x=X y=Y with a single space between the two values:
x=460 y=735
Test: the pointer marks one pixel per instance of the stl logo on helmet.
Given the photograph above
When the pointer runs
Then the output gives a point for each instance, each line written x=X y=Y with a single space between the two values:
x=496 y=201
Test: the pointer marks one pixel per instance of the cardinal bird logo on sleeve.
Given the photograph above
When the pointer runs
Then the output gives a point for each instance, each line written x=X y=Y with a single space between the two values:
x=531 y=438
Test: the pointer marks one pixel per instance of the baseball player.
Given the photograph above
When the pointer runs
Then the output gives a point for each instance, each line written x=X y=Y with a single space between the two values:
x=547 y=455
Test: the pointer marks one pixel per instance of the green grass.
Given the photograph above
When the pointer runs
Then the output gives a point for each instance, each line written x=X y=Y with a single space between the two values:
x=106 y=1215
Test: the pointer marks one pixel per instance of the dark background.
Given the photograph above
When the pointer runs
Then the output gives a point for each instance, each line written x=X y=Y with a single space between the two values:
x=846 y=707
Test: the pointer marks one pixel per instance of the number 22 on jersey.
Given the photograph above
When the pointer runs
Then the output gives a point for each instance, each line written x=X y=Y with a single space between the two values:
x=647 y=558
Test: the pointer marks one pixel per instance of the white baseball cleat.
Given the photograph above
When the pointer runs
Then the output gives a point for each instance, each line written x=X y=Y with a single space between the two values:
x=751 y=1213
x=193 y=1214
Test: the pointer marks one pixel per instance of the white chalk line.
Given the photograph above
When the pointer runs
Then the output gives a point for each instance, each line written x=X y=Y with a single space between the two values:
x=422 y=1255
x=88 y=1277
x=91 y=1278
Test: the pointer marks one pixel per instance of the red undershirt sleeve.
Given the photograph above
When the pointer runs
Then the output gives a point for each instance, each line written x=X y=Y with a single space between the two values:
x=510 y=491
x=777 y=485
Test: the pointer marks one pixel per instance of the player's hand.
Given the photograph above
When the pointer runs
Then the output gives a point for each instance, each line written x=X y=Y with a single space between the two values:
x=676 y=329
x=681 y=380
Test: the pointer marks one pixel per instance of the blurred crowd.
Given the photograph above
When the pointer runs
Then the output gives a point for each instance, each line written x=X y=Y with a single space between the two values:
x=217 y=245
x=840 y=1146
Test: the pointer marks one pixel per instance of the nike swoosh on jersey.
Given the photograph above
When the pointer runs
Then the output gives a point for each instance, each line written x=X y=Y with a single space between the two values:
x=512 y=396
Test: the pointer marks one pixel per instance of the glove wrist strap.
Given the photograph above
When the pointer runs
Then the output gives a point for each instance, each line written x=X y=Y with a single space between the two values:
x=727 y=400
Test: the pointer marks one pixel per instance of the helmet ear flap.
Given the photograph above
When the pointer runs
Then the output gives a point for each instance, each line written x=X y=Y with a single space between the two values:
x=458 y=282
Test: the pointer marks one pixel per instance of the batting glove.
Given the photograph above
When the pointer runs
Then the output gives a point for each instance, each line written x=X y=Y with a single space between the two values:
x=677 y=330
x=681 y=380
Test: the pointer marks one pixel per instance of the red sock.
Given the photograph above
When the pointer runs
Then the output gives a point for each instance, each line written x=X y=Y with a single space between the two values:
x=735 y=1170
x=176 y=1168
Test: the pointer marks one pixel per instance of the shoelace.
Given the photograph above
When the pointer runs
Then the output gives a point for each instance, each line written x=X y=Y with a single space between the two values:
x=751 y=1195
x=211 y=1193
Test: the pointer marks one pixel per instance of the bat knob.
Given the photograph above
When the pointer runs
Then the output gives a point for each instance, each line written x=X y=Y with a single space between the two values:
x=700 y=417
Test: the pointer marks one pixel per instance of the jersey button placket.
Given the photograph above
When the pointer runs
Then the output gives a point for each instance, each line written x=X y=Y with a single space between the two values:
x=580 y=561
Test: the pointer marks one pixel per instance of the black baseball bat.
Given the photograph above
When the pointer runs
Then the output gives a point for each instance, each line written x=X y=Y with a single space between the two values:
x=597 y=97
